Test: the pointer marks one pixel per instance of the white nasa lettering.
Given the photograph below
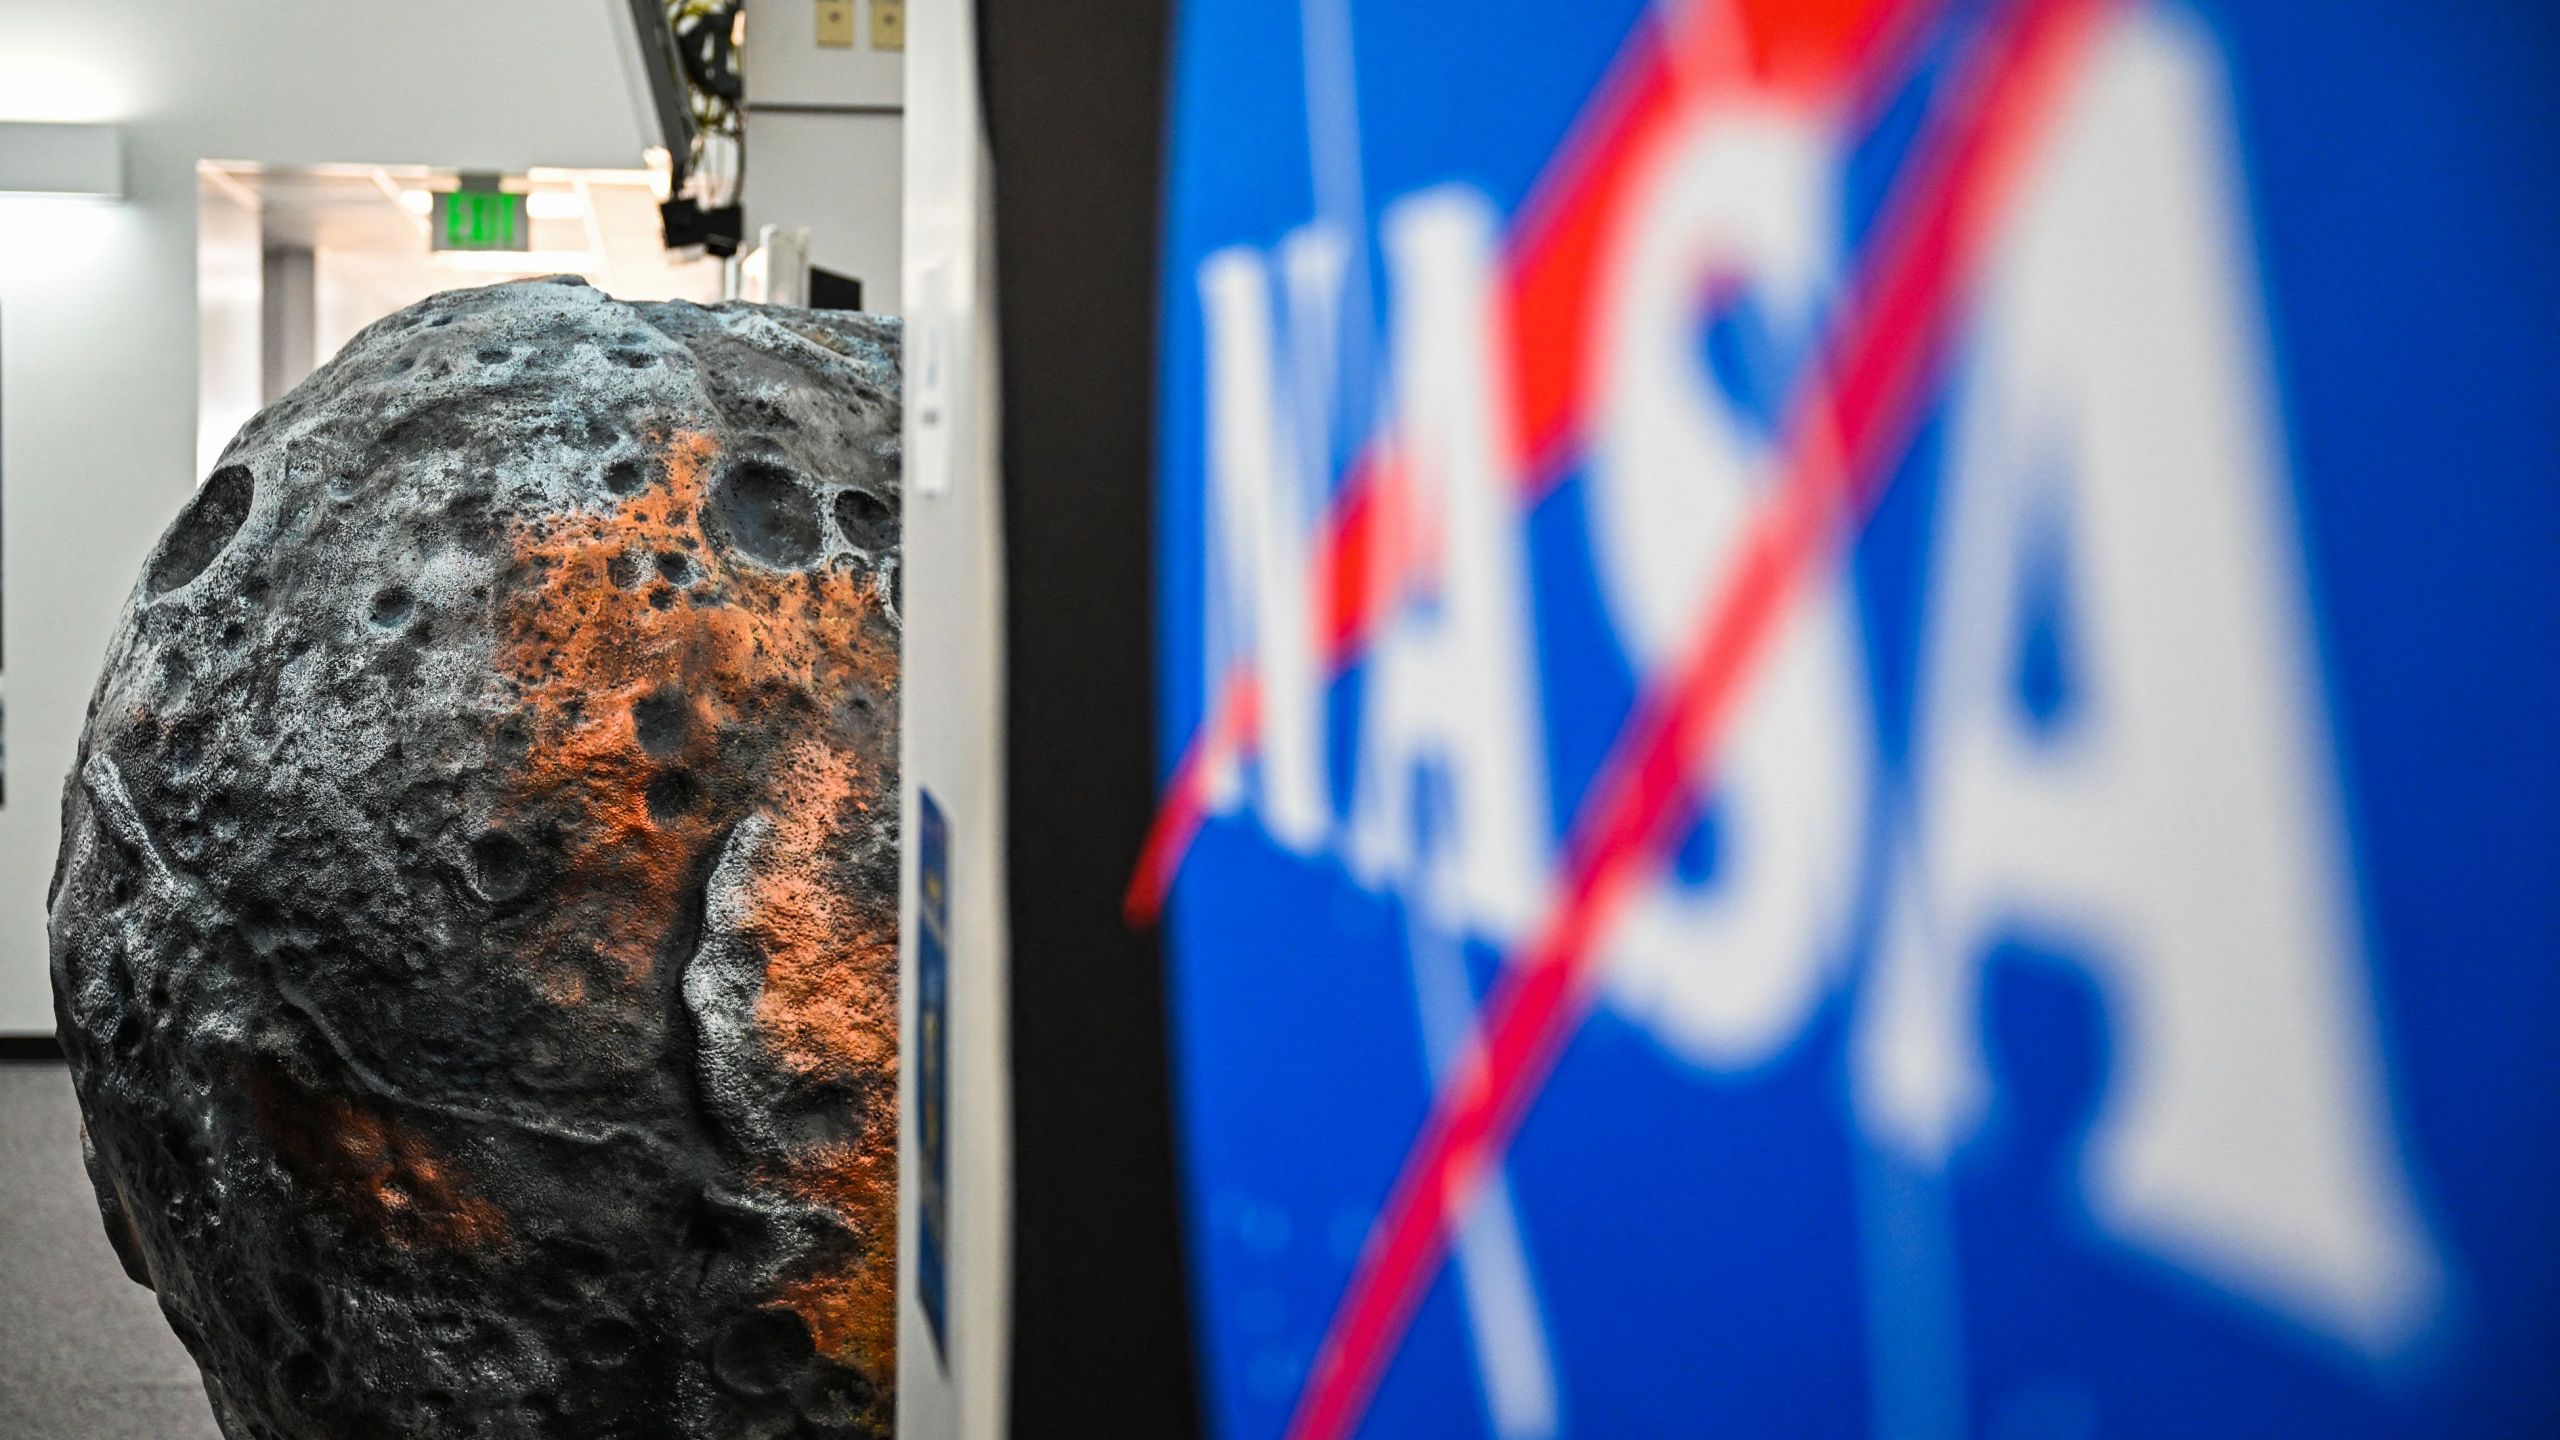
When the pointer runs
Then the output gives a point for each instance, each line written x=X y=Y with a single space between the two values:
x=2181 y=837
x=1724 y=972
x=1265 y=490
x=1451 y=682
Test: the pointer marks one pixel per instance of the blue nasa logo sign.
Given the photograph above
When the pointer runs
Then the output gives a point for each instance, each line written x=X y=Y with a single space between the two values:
x=1855 y=703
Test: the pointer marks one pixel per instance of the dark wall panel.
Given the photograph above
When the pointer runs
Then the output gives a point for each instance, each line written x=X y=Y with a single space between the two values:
x=1074 y=95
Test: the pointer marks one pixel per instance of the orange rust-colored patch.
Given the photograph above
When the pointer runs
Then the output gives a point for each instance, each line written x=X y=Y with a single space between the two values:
x=852 y=1310
x=586 y=645
x=381 y=1175
x=830 y=998
x=829 y=1012
x=738 y=651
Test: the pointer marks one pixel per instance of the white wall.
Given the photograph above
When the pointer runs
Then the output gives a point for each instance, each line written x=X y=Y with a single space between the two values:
x=231 y=326
x=98 y=344
x=838 y=175
x=825 y=132
x=951 y=734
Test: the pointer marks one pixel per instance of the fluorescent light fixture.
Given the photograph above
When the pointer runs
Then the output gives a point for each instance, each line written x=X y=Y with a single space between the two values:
x=417 y=202
x=46 y=159
x=555 y=205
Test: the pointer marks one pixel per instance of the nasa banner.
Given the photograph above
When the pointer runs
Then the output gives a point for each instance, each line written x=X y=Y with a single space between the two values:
x=1856 y=708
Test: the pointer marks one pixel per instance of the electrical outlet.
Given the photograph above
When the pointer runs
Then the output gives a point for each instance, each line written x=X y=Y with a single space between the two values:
x=888 y=24
x=835 y=24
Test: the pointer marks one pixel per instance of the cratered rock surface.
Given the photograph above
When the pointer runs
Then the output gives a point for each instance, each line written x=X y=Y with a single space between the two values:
x=474 y=935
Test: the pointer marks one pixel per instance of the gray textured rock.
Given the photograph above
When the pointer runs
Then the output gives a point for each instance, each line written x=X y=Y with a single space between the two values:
x=474 y=935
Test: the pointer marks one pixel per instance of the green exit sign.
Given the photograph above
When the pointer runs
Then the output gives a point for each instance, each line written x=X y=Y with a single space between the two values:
x=480 y=220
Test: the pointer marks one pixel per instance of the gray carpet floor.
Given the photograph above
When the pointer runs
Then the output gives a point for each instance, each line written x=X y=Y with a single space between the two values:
x=84 y=1354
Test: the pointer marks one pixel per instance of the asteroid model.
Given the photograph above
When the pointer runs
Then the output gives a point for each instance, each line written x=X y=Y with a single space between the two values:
x=474 y=936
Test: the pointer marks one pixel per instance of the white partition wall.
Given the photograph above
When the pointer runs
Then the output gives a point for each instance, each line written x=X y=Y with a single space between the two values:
x=952 y=1368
